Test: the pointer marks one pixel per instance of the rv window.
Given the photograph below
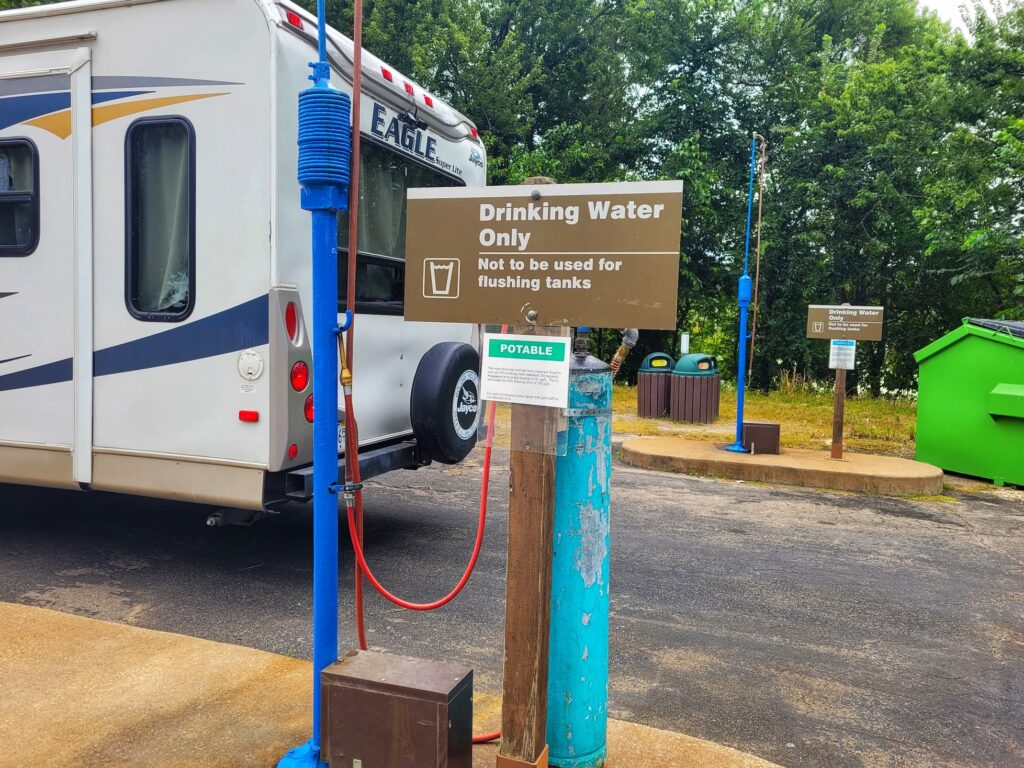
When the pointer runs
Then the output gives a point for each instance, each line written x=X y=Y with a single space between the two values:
x=19 y=198
x=160 y=273
x=385 y=178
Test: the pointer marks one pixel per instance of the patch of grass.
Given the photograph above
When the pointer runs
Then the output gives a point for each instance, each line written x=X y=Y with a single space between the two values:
x=883 y=426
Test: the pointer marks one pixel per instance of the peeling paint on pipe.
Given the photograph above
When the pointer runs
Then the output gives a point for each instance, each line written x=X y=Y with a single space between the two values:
x=578 y=657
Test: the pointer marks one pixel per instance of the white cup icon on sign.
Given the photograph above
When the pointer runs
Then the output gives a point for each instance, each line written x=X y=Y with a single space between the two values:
x=819 y=327
x=441 y=278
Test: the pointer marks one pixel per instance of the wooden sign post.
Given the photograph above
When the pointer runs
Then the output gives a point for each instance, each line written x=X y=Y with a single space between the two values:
x=531 y=508
x=839 y=414
x=842 y=357
x=531 y=516
x=843 y=325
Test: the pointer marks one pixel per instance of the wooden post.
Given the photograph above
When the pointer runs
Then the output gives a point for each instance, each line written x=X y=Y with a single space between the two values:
x=524 y=701
x=838 y=414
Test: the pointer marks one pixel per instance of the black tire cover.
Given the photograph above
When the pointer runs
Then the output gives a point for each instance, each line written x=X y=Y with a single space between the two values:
x=445 y=402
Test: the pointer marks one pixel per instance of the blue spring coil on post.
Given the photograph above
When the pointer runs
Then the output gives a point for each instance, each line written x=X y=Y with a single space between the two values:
x=325 y=142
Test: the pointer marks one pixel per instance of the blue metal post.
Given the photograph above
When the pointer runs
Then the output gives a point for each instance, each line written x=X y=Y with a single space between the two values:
x=745 y=294
x=324 y=156
x=578 y=654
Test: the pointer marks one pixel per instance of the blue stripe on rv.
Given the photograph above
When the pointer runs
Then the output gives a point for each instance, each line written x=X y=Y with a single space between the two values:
x=238 y=328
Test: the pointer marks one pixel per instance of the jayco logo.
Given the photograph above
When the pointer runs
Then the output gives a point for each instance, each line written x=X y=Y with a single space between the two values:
x=468 y=403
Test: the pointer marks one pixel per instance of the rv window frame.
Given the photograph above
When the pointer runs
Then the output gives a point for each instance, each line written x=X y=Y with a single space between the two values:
x=21 y=251
x=394 y=308
x=131 y=247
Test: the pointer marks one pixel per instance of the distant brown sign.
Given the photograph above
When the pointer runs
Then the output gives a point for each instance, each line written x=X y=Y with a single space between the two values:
x=604 y=255
x=844 y=322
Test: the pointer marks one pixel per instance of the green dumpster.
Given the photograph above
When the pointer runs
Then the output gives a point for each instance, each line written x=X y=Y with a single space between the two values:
x=696 y=389
x=653 y=384
x=970 y=410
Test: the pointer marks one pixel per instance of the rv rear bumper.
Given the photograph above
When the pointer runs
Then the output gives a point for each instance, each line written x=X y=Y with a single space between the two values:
x=297 y=484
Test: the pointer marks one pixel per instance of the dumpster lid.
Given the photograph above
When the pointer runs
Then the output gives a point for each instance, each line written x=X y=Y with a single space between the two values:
x=1012 y=327
x=1009 y=332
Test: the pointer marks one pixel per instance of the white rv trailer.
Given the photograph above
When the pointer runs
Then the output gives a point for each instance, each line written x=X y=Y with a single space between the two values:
x=155 y=279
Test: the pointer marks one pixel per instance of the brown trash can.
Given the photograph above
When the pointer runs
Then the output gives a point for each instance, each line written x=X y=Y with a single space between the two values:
x=696 y=390
x=653 y=386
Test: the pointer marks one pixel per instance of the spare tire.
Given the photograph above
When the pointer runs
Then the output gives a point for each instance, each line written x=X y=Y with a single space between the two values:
x=445 y=402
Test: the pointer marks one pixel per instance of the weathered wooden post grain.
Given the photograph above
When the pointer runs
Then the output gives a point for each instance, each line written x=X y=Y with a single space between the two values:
x=838 y=414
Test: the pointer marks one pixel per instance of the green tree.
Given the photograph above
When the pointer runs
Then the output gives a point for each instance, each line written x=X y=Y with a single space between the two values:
x=972 y=214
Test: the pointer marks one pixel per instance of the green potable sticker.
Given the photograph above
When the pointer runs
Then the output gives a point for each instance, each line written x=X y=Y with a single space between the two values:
x=529 y=370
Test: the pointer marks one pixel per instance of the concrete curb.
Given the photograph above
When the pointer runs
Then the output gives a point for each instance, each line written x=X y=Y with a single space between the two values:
x=91 y=694
x=886 y=475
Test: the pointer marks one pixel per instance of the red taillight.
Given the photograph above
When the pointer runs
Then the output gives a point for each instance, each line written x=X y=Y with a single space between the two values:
x=249 y=416
x=409 y=89
x=387 y=74
x=300 y=376
x=428 y=101
x=291 y=322
x=308 y=409
x=474 y=133
x=294 y=19
x=293 y=451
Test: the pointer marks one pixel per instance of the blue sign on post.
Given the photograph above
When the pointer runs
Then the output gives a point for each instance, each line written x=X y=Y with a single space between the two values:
x=842 y=353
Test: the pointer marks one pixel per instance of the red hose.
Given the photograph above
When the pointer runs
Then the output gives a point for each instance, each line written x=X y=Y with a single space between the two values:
x=357 y=546
x=352 y=440
x=355 y=513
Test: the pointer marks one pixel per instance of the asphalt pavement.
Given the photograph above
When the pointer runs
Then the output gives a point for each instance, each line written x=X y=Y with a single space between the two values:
x=811 y=628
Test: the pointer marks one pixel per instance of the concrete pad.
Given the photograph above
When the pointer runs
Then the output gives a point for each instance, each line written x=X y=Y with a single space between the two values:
x=89 y=693
x=886 y=475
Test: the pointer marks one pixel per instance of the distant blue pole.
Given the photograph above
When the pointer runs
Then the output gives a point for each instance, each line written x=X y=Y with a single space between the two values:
x=745 y=294
x=324 y=156
x=577 y=725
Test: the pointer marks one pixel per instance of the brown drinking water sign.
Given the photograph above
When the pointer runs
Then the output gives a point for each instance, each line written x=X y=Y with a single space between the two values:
x=604 y=255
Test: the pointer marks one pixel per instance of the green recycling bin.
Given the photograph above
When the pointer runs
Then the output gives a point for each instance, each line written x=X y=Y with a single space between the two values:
x=653 y=385
x=970 y=402
x=696 y=389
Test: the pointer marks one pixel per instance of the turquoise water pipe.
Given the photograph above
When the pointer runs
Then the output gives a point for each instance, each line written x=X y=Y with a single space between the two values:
x=578 y=656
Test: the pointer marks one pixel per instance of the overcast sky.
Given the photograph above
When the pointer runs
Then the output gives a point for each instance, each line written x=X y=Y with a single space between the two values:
x=948 y=9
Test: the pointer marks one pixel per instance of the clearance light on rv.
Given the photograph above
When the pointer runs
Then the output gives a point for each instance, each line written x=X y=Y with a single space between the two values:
x=409 y=89
x=308 y=409
x=294 y=19
x=428 y=101
x=474 y=133
x=300 y=376
x=293 y=451
x=387 y=74
x=291 y=321
x=249 y=416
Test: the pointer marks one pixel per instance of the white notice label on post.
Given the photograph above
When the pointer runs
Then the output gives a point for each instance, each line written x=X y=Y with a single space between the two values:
x=842 y=353
x=530 y=370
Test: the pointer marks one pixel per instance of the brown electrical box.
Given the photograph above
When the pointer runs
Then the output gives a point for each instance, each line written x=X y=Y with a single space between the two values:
x=382 y=711
x=762 y=437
